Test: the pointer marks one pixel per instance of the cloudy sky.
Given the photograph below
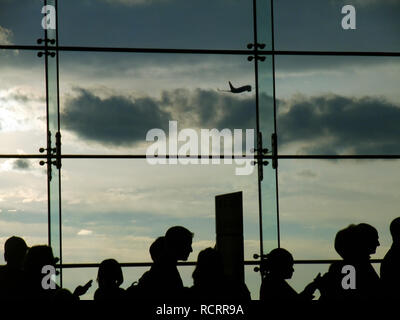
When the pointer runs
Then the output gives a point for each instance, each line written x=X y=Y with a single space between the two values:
x=109 y=101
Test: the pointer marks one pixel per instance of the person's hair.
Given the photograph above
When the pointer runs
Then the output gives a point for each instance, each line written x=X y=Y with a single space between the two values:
x=345 y=241
x=275 y=260
x=15 y=249
x=37 y=257
x=365 y=233
x=209 y=266
x=367 y=229
x=175 y=235
x=157 y=248
x=110 y=273
x=395 y=228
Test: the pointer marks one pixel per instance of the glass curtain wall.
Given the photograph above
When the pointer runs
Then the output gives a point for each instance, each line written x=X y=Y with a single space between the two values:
x=79 y=97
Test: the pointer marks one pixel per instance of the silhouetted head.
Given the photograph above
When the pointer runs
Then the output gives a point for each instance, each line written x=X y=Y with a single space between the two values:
x=345 y=242
x=36 y=258
x=395 y=229
x=109 y=274
x=368 y=239
x=178 y=242
x=14 y=251
x=157 y=249
x=209 y=267
x=278 y=264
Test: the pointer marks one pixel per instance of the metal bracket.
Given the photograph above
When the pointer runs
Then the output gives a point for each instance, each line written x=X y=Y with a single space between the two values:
x=258 y=45
x=257 y=256
x=51 y=152
x=260 y=162
x=51 y=54
x=261 y=58
x=42 y=163
x=46 y=41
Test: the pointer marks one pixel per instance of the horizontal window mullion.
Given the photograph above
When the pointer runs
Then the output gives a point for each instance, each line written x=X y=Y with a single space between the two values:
x=242 y=156
x=23 y=156
x=367 y=156
x=203 y=51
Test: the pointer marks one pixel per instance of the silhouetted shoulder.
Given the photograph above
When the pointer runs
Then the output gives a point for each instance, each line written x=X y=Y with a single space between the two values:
x=275 y=290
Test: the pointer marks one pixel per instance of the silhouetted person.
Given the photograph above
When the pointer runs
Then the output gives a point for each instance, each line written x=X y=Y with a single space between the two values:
x=390 y=266
x=331 y=282
x=12 y=275
x=367 y=280
x=210 y=282
x=354 y=244
x=36 y=258
x=163 y=281
x=276 y=268
x=38 y=285
x=157 y=249
x=137 y=289
x=109 y=278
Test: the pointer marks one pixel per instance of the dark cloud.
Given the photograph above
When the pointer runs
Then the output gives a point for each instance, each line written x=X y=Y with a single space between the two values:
x=335 y=125
x=328 y=124
x=21 y=164
x=124 y=121
x=211 y=109
x=115 y=121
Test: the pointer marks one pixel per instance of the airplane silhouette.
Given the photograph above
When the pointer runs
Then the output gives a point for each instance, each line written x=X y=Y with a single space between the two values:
x=237 y=90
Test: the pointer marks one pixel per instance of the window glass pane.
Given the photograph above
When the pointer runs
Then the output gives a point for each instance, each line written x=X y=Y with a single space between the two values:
x=269 y=209
x=267 y=128
x=20 y=22
x=197 y=24
x=264 y=32
x=23 y=201
x=253 y=282
x=316 y=25
x=73 y=277
x=116 y=208
x=109 y=102
x=22 y=102
x=317 y=198
x=338 y=105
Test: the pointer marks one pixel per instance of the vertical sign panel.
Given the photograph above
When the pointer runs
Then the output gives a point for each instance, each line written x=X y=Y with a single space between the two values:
x=229 y=229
